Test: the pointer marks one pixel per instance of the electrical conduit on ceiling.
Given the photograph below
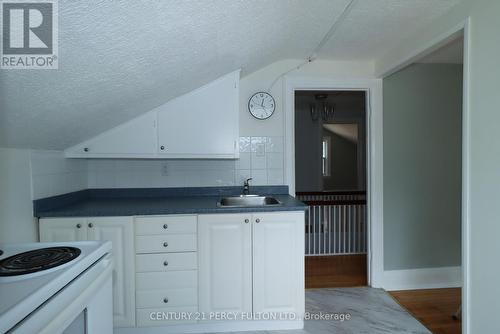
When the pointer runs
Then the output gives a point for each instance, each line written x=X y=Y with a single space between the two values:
x=312 y=57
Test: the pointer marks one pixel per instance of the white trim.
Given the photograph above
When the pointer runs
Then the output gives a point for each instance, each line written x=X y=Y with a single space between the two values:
x=423 y=278
x=466 y=182
x=374 y=143
x=212 y=327
x=430 y=46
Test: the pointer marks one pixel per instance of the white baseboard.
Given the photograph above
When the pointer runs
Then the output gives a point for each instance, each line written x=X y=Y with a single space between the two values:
x=423 y=278
x=216 y=327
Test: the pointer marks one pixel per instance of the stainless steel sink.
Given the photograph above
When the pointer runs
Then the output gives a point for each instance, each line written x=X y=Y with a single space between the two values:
x=248 y=200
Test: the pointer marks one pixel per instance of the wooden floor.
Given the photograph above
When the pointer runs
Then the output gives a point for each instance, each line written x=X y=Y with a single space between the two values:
x=336 y=271
x=433 y=307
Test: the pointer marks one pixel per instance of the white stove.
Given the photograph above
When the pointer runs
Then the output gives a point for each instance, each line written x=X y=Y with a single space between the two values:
x=61 y=287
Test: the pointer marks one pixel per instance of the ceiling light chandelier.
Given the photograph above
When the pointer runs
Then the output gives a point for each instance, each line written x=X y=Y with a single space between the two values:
x=321 y=108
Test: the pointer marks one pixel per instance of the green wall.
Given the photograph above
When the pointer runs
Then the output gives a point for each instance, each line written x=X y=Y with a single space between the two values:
x=422 y=167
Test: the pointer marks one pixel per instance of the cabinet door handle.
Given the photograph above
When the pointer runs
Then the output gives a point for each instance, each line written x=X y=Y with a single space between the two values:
x=78 y=225
x=165 y=300
x=165 y=226
x=165 y=244
x=91 y=225
x=162 y=147
x=86 y=149
x=257 y=220
x=165 y=263
x=247 y=221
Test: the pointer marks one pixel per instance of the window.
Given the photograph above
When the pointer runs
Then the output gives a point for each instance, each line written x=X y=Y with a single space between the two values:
x=325 y=156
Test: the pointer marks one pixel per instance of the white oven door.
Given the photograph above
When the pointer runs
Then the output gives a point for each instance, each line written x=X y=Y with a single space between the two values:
x=83 y=306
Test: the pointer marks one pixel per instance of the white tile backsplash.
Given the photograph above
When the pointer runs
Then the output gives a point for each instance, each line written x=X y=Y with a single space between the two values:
x=275 y=177
x=259 y=177
x=258 y=161
x=244 y=161
x=245 y=144
x=260 y=158
x=274 y=144
x=274 y=160
x=52 y=174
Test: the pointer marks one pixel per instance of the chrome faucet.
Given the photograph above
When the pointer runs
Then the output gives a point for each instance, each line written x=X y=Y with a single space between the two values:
x=246 y=186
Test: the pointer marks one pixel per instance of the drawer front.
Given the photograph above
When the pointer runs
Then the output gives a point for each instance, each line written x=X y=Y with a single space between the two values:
x=165 y=243
x=166 y=280
x=166 y=298
x=166 y=262
x=165 y=225
x=150 y=317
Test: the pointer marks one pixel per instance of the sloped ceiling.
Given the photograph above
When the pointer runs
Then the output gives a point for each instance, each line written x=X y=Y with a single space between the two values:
x=451 y=53
x=119 y=59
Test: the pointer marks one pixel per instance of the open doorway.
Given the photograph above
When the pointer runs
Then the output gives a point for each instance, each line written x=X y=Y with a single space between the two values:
x=330 y=176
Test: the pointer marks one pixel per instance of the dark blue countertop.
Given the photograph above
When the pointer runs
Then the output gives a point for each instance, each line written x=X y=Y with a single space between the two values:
x=157 y=201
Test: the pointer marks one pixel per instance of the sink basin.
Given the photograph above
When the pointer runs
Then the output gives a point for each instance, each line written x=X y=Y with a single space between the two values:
x=248 y=200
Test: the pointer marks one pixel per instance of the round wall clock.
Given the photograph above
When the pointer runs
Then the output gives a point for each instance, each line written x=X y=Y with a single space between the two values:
x=261 y=105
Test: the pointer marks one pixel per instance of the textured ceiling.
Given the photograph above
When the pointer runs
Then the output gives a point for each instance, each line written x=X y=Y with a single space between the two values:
x=119 y=59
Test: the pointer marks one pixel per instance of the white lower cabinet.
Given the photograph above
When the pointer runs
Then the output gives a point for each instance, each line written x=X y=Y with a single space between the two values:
x=166 y=270
x=182 y=269
x=252 y=262
x=118 y=230
x=225 y=269
x=63 y=229
x=278 y=263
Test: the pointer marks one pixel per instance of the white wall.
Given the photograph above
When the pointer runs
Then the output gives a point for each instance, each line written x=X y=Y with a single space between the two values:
x=16 y=210
x=26 y=175
x=483 y=145
x=263 y=78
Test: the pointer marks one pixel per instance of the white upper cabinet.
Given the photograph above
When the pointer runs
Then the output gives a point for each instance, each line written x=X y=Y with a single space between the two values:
x=203 y=123
x=136 y=138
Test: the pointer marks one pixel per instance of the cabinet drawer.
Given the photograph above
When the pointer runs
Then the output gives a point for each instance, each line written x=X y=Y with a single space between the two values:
x=167 y=280
x=165 y=243
x=166 y=298
x=150 y=317
x=165 y=225
x=166 y=262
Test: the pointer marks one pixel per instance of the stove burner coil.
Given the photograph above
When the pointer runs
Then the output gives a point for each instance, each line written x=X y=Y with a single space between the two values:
x=37 y=260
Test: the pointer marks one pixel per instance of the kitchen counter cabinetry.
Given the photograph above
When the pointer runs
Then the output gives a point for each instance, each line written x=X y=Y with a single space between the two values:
x=252 y=263
x=118 y=230
x=167 y=268
x=199 y=265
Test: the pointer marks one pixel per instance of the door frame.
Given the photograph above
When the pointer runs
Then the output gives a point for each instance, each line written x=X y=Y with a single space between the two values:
x=374 y=157
x=423 y=50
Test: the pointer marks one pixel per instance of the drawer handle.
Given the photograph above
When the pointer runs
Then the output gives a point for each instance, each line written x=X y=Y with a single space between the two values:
x=165 y=244
x=247 y=221
x=78 y=225
x=257 y=220
x=165 y=300
x=165 y=226
x=165 y=263
x=91 y=225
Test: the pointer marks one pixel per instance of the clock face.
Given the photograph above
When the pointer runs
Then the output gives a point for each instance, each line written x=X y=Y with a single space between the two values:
x=261 y=105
